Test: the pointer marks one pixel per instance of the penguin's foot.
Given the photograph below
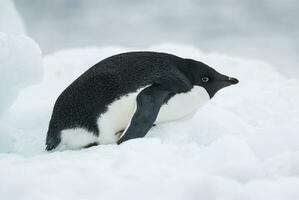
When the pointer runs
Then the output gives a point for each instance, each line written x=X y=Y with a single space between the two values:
x=50 y=147
x=91 y=145
x=51 y=144
x=119 y=133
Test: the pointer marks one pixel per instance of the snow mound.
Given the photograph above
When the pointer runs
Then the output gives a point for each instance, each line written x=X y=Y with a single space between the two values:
x=10 y=20
x=14 y=51
x=242 y=145
x=20 y=65
x=6 y=140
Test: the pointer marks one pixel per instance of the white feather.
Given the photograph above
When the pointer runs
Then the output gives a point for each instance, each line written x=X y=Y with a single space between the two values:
x=76 y=138
x=183 y=104
x=117 y=117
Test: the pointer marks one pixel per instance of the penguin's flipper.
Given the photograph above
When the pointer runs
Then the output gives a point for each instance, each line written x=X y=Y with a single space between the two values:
x=149 y=102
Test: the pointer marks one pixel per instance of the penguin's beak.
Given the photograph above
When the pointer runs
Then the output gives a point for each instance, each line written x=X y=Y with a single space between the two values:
x=232 y=80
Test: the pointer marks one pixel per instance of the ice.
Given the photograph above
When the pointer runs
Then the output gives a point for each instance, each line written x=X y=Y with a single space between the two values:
x=242 y=145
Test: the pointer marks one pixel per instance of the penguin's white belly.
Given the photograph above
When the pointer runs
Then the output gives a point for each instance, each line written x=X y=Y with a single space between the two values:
x=119 y=113
x=116 y=118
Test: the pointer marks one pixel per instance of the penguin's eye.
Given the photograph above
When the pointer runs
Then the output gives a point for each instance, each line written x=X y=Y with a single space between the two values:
x=205 y=79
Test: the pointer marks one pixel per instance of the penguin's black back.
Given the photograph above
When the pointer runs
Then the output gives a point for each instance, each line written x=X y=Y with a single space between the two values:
x=82 y=102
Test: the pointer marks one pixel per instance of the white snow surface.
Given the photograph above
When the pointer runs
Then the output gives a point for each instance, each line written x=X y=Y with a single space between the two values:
x=10 y=20
x=244 y=144
x=20 y=66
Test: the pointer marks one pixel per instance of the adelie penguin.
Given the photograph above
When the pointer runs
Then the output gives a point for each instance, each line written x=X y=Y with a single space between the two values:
x=121 y=97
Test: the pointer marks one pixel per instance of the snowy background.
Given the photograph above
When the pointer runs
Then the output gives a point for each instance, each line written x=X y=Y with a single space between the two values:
x=243 y=145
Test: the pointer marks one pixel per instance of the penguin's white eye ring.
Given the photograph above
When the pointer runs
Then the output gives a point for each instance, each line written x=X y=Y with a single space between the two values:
x=205 y=79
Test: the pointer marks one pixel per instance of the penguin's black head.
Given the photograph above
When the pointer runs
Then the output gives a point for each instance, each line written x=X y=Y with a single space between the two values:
x=202 y=75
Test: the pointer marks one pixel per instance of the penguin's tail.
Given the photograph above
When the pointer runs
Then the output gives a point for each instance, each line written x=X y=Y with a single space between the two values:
x=52 y=141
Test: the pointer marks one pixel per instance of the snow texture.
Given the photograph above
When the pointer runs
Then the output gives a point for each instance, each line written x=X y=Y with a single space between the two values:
x=20 y=65
x=242 y=145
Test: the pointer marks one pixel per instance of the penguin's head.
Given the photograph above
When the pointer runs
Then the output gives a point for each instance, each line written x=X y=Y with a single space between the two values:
x=208 y=78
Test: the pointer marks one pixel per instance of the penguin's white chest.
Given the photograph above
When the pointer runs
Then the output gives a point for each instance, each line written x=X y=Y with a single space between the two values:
x=119 y=113
x=183 y=104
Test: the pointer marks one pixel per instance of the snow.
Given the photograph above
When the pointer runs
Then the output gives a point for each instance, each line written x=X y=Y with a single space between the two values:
x=242 y=145
x=20 y=65
x=10 y=20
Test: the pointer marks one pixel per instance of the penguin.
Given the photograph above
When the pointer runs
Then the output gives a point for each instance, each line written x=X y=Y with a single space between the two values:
x=123 y=96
